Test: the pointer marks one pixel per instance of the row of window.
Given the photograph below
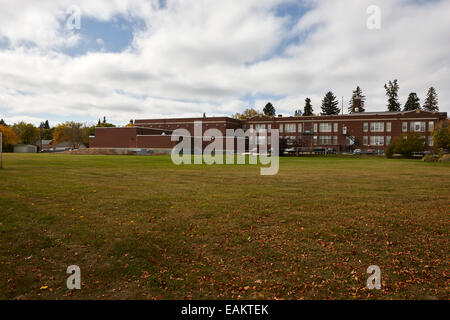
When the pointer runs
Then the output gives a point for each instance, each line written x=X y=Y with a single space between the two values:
x=333 y=140
x=377 y=126
x=380 y=140
x=293 y=127
x=417 y=126
x=414 y=126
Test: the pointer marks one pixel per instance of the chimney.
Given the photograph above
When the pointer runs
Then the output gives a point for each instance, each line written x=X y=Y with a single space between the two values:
x=280 y=116
x=356 y=104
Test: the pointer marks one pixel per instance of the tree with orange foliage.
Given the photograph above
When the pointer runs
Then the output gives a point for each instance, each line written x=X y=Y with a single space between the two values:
x=73 y=132
x=9 y=136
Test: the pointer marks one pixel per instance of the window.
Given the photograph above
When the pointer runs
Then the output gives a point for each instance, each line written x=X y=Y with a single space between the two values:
x=261 y=140
x=376 y=140
x=259 y=127
x=388 y=126
x=325 y=140
x=388 y=140
x=366 y=126
x=314 y=127
x=335 y=140
x=251 y=126
x=430 y=126
x=325 y=127
x=269 y=127
x=365 y=140
x=417 y=126
x=430 y=141
x=335 y=127
x=281 y=127
x=315 y=139
x=290 y=127
x=377 y=127
x=404 y=126
x=299 y=128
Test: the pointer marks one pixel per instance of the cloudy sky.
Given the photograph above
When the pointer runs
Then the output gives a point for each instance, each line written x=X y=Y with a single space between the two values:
x=132 y=59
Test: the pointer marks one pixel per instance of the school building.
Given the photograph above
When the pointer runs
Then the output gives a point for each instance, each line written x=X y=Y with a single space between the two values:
x=342 y=133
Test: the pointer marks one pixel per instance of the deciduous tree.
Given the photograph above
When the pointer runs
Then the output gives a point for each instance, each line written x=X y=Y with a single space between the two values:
x=441 y=135
x=247 y=114
x=73 y=132
x=27 y=133
x=9 y=136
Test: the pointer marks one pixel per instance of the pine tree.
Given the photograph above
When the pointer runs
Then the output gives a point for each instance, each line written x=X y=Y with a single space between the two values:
x=297 y=113
x=46 y=125
x=308 y=110
x=431 y=101
x=269 y=110
x=330 y=104
x=357 y=94
x=392 y=94
x=99 y=122
x=3 y=123
x=413 y=102
x=104 y=119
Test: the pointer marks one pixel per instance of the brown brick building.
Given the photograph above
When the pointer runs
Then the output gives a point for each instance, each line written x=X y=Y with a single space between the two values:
x=365 y=130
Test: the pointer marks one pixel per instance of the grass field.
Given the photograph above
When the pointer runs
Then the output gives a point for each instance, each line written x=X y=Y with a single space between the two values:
x=142 y=228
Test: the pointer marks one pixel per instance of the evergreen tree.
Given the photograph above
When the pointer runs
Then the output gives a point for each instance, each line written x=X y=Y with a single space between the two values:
x=392 y=94
x=431 y=101
x=3 y=123
x=357 y=93
x=413 y=102
x=298 y=113
x=99 y=122
x=269 y=110
x=308 y=110
x=46 y=125
x=330 y=104
x=104 y=119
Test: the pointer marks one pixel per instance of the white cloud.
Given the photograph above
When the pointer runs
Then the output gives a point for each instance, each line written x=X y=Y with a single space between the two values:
x=204 y=56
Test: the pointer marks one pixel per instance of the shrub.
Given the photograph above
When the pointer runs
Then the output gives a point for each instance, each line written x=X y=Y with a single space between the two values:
x=441 y=136
x=431 y=158
x=406 y=146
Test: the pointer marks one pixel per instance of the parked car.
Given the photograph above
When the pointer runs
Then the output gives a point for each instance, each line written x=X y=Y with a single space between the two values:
x=331 y=151
x=371 y=151
x=357 y=151
x=319 y=150
x=289 y=151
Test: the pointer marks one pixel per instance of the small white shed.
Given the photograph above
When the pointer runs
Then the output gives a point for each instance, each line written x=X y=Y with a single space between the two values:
x=25 y=148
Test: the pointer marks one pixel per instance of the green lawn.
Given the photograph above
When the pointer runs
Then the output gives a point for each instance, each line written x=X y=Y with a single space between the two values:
x=140 y=227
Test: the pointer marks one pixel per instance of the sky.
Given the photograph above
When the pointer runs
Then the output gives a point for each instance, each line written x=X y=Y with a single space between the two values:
x=137 y=59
